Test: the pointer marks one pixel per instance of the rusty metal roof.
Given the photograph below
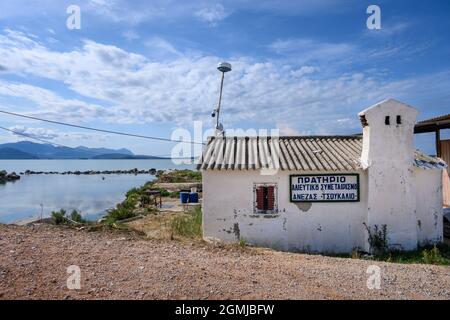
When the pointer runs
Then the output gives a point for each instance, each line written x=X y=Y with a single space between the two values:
x=299 y=153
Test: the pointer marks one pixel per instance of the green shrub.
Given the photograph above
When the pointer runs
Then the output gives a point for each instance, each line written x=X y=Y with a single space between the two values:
x=378 y=241
x=59 y=217
x=121 y=212
x=432 y=256
x=242 y=243
x=133 y=192
x=188 y=225
x=76 y=216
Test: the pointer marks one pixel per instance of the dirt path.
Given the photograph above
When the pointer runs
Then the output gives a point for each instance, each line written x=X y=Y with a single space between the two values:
x=33 y=262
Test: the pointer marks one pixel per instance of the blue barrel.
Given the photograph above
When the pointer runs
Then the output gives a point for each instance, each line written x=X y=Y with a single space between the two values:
x=184 y=197
x=193 y=197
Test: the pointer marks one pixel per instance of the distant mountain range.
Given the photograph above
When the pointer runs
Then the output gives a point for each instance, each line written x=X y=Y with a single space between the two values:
x=31 y=150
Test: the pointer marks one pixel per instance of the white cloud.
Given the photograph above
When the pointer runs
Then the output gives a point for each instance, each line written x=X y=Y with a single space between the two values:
x=130 y=35
x=161 y=46
x=286 y=130
x=40 y=133
x=140 y=11
x=309 y=50
x=43 y=102
x=304 y=70
x=25 y=132
x=120 y=11
x=390 y=29
x=212 y=14
x=131 y=88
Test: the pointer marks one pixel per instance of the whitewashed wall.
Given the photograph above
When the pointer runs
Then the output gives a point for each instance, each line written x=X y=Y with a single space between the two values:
x=428 y=205
x=322 y=227
x=316 y=227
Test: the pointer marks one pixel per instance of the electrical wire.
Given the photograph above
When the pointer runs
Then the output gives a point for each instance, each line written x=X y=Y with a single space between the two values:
x=31 y=137
x=99 y=130
x=58 y=144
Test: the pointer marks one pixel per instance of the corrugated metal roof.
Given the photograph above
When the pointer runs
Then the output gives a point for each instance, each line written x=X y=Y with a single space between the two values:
x=433 y=124
x=301 y=153
x=422 y=160
x=435 y=119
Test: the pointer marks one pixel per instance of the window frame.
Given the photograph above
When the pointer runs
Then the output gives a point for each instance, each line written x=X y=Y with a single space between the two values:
x=275 y=198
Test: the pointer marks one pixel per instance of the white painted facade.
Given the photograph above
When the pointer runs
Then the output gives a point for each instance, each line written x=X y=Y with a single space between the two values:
x=406 y=198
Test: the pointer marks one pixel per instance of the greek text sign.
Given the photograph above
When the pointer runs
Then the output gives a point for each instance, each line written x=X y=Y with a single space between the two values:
x=324 y=188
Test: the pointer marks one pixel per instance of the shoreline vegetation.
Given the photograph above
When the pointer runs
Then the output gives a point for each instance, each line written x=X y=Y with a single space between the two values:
x=138 y=203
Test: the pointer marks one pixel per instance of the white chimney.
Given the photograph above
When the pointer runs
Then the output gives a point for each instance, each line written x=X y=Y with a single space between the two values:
x=388 y=156
x=388 y=129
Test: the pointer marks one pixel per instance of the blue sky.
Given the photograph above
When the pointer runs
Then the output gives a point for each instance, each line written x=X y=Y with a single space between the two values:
x=149 y=67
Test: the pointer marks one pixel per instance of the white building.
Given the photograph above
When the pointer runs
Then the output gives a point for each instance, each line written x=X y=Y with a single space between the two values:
x=315 y=193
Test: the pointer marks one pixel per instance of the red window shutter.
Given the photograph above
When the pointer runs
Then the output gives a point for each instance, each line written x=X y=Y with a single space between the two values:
x=270 y=198
x=260 y=198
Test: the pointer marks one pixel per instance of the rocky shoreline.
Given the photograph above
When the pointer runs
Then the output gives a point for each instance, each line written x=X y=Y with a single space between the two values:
x=8 y=177
x=13 y=176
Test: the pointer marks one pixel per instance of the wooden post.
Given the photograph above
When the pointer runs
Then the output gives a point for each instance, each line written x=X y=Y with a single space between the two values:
x=438 y=142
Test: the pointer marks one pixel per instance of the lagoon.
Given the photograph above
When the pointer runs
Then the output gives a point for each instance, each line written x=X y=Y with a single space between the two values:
x=93 y=195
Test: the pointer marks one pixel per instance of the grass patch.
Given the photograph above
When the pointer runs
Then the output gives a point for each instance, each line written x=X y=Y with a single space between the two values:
x=179 y=176
x=431 y=254
x=189 y=225
x=438 y=254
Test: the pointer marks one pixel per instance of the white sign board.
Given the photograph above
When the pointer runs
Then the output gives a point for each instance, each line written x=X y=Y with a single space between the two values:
x=324 y=188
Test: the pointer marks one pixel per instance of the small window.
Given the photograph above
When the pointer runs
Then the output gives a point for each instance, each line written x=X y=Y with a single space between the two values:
x=399 y=120
x=265 y=196
x=386 y=120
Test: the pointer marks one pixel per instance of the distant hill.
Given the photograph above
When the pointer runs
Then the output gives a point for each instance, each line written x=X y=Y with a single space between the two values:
x=31 y=150
x=11 y=153
x=124 y=156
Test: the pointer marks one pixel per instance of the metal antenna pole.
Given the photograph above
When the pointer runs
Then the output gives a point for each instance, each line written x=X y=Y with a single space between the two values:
x=222 y=67
x=220 y=100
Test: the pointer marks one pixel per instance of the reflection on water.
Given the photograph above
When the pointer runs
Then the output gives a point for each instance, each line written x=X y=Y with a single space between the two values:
x=90 y=164
x=90 y=194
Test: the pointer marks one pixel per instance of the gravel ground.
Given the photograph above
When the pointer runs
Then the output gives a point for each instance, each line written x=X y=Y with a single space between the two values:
x=117 y=265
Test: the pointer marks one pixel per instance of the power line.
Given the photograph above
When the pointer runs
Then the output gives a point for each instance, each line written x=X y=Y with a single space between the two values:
x=98 y=130
x=58 y=144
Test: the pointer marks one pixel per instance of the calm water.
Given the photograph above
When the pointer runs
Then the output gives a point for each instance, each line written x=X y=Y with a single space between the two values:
x=88 y=193
x=84 y=165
